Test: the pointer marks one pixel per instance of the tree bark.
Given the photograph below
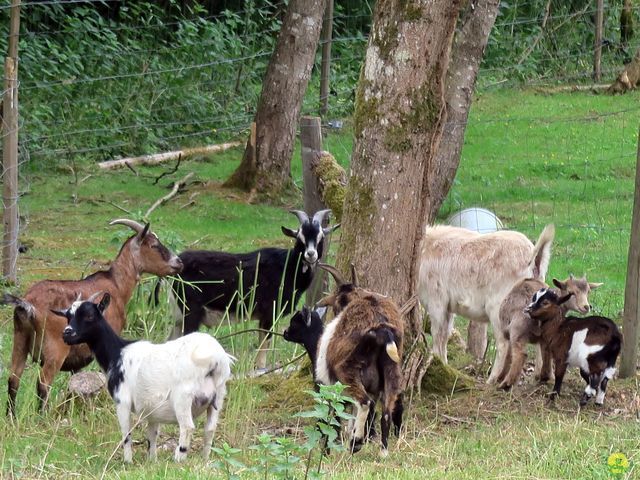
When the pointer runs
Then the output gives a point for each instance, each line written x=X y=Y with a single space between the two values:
x=469 y=43
x=398 y=122
x=466 y=54
x=267 y=168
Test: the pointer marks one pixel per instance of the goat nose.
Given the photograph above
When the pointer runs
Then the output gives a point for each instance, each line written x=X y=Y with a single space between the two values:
x=311 y=256
x=67 y=330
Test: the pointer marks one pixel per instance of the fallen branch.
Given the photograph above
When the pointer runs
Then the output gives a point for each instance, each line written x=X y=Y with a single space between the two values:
x=174 y=191
x=169 y=172
x=166 y=156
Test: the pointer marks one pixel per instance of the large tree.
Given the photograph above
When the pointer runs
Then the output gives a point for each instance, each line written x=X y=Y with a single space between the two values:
x=266 y=164
x=398 y=123
x=470 y=40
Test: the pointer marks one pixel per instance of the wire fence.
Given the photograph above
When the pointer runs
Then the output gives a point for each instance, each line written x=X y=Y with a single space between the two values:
x=95 y=87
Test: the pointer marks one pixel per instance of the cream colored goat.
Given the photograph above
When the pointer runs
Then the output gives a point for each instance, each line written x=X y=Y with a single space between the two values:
x=466 y=273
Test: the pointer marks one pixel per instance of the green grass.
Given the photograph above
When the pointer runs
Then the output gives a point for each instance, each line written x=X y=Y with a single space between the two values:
x=532 y=158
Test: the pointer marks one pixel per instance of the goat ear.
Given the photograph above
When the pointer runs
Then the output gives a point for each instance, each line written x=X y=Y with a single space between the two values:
x=104 y=303
x=330 y=229
x=144 y=232
x=289 y=232
x=593 y=286
x=559 y=284
x=61 y=313
x=561 y=300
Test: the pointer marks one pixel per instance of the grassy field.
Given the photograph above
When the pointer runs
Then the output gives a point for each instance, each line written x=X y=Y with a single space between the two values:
x=532 y=158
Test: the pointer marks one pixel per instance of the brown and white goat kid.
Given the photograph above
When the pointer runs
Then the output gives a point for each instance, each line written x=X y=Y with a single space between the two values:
x=39 y=333
x=590 y=343
x=361 y=348
x=466 y=273
x=521 y=329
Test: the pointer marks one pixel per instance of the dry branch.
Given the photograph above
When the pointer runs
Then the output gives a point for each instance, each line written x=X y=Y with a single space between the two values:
x=156 y=158
x=174 y=191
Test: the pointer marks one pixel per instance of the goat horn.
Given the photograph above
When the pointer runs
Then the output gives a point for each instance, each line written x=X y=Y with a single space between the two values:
x=302 y=216
x=320 y=215
x=138 y=227
x=354 y=275
x=94 y=296
x=335 y=273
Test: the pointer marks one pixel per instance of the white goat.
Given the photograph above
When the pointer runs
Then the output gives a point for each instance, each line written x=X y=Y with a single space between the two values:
x=172 y=382
x=465 y=273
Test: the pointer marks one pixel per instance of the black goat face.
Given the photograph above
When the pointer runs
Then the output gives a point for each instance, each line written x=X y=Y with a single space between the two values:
x=83 y=319
x=310 y=235
x=544 y=303
x=302 y=323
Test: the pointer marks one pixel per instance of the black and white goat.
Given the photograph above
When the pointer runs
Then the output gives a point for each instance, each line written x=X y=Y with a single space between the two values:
x=361 y=348
x=590 y=343
x=279 y=275
x=172 y=382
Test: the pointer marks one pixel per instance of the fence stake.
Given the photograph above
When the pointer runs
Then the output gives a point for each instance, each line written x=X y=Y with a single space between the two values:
x=325 y=66
x=597 y=52
x=10 y=149
x=631 y=317
x=311 y=143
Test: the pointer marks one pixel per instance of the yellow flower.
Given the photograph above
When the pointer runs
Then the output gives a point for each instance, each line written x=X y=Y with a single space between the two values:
x=617 y=463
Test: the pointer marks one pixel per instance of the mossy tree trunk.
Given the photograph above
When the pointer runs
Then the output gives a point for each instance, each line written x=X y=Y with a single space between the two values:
x=266 y=167
x=469 y=42
x=398 y=122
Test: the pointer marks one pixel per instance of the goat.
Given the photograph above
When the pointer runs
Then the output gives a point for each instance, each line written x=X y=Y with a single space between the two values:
x=590 y=343
x=466 y=273
x=521 y=329
x=37 y=333
x=361 y=348
x=172 y=382
x=278 y=274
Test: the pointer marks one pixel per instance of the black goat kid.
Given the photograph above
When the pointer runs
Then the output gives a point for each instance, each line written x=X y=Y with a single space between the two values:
x=280 y=277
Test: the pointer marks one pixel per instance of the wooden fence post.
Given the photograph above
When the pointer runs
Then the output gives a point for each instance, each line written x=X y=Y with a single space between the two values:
x=311 y=143
x=325 y=66
x=10 y=150
x=631 y=317
x=597 y=46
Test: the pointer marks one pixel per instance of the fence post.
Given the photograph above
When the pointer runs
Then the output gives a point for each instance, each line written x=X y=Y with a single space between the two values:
x=631 y=317
x=311 y=146
x=597 y=52
x=10 y=150
x=325 y=66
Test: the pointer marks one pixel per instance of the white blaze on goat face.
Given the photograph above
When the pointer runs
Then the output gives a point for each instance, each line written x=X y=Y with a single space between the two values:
x=322 y=368
x=580 y=351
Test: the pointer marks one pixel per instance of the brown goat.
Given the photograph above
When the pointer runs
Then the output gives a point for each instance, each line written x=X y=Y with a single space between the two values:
x=38 y=332
x=591 y=343
x=362 y=348
x=520 y=329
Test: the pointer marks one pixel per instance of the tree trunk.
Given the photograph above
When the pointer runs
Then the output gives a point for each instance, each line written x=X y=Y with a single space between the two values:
x=626 y=24
x=267 y=167
x=468 y=49
x=398 y=122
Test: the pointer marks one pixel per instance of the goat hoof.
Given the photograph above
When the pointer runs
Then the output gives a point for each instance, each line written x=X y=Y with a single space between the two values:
x=356 y=445
x=504 y=386
x=599 y=404
x=384 y=453
x=542 y=378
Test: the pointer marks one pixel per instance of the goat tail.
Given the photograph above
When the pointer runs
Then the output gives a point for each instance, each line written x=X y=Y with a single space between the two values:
x=24 y=312
x=539 y=262
x=386 y=336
